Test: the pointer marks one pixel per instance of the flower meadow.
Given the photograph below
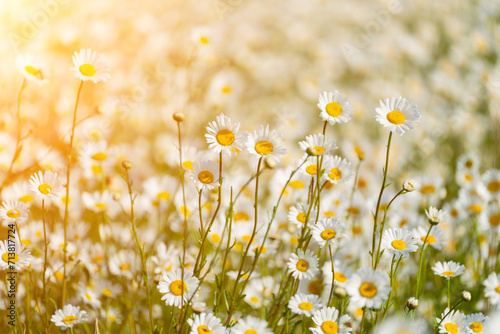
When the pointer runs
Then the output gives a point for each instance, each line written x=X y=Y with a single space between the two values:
x=249 y=167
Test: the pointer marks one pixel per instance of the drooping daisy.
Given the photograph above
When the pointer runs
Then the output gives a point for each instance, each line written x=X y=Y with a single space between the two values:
x=206 y=323
x=32 y=68
x=14 y=211
x=435 y=216
x=251 y=325
x=176 y=288
x=492 y=288
x=90 y=65
x=304 y=304
x=397 y=114
x=453 y=323
x=224 y=136
x=206 y=175
x=448 y=269
x=303 y=264
x=335 y=107
x=368 y=287
x=399 y=242
x=69 y=316
x=327 y=321
x=321 y=144
x=46 y=185
x=14 y=255
x=476 y=323
x=263 y=143
x=491 y=180
x=337 y=170
x=328 y=231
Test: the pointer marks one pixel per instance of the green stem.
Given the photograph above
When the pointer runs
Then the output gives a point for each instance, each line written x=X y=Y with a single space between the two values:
x=417 y=293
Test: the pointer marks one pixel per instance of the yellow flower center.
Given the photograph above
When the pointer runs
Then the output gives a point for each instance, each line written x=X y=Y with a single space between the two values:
x=264 y=147
x=476 y=327
x=319 y=150
x=339 y=277
x=225 y=137
x=314 y=287
x=100 y=206
x=178 y=287
x=476 y=208
x=206 y=177
x=7 y=257
x=33 y=71
x=98 y=259
x=368 y=290
x=259 y=249
x=329 y=214
x=430 y=239
x=163 y=195
x=125 y=266
x=226 y=89
x=45 y=189
x=59 y=275
x=87 y=70
x=100 y=156
x=494 y=186
x=428 y=189
x=254 y=299
x=89 y=297
x=398 y=244
x=452 y=328
x=359 y=151
x=302 y=265
x=26 y=242
x=359 y=312
x=203 y=329
x=107 y=292
x=68 y=320
x=328 y=234
x=329 y=327
x=353 y=210
x=312 y=169
x=240 y=216
x=215 y=238
x=448 y=273
x=251 y=331
x=396 y=117
x=305 y=306
x=297 y=184
x=495 y=219
x=13 y=213
x=497 y=289
x=301 y=217
x=204 y=40
x=335 y=174
x=188 y=164
x=26 y=198
x=96 y=169
x=333 y=109
x=112 y=317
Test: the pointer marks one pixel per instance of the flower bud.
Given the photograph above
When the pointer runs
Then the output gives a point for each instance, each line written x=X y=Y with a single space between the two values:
x=410 y=185
x=126 y=164
x=311 y=151
x=270 y=163
x=412 y=303
x=339 y=292
x=466 y=296
x=179 y=116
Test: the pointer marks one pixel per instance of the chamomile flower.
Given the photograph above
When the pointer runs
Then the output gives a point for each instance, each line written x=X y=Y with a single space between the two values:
x=310 y=166
x=69 y=316
x=453 y=323
x=469 y=161
x=342 y=273
x=448 y=269
x=46 y=185
x=206 y=323
x=321 y=144
x=303 y=264
x=251 y=325
x=13 y=211
x=327 y=321
x=476 y=323
x=90 y=65
x=491 y=180
x=368 y=287
x=298 y=213
x=435 y=216
x=224 y=136
x=492 y=288
x=175 y=287
x=304 y=304
x=399 y=242
x=264 y=143
x=206 y=175
x=31 y=68
x=335 y=107
x=14 y=254
x=328 y=231
x=337 y=170
x=436 y=238
x=397 y=114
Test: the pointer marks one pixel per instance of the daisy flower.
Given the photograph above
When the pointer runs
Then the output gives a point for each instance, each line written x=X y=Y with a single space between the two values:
x=206 y=175
x=448 y=269
x=90 y=65
x=328 y=231
x=492 y=288
x=224 y=136
x=298 y=213
x=327 y=321
x=206 y=323
x=341 y=275
x=68 y=316
x=176 y=288
x=321 y=144
x=398 y=115
x=435 y=216
x=99 y=201
x=303 y=264
x=14 y=256
x=310 y=166
x=304 y=304
x=335 y=107
x=263 y=143
x=491 y=180
x=436 y=238
x=31 y=68
x=251 y=325
x=453 y=323
x=337 y=170
x=399 y=242
x=469 y=161
x=476 y=323
x=367 y=287
x=46 y=185
x=14 y=211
